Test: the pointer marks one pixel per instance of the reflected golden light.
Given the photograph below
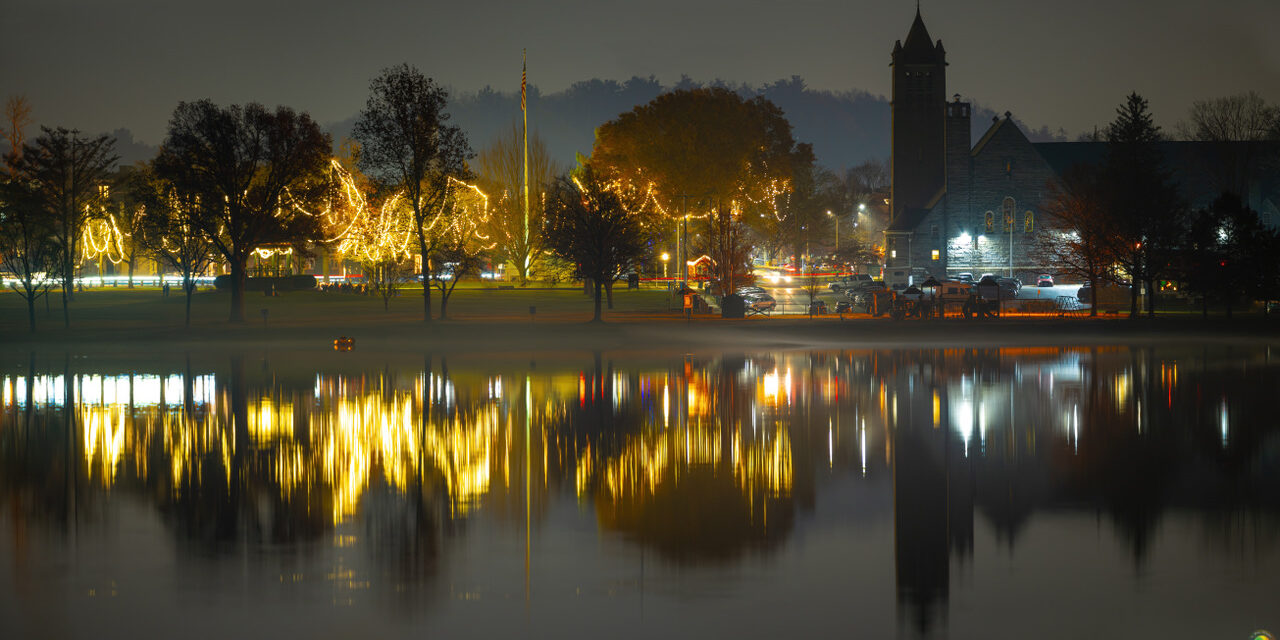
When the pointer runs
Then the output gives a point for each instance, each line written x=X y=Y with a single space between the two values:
x=103 y=430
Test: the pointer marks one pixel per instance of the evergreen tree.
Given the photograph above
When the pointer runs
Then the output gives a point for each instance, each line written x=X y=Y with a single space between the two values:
x=1143 y=201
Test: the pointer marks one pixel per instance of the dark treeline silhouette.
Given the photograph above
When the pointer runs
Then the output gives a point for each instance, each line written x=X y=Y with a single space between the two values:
x=846 y=128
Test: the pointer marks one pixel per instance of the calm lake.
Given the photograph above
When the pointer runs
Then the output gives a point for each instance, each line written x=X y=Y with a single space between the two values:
x=1061 y=492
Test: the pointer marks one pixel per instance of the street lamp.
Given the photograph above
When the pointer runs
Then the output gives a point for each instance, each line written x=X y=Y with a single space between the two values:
x=665 y=257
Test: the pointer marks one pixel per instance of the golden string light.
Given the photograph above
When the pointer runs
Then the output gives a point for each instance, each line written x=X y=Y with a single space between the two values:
x=102 y=237
x=374 y=234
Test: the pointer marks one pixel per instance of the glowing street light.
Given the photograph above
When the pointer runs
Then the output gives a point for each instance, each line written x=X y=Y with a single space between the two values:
x=665 y=257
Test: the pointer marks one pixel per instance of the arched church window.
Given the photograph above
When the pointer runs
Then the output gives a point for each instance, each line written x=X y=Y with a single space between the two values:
x=1008 y=208
x=991 y=221
x=1028 y=222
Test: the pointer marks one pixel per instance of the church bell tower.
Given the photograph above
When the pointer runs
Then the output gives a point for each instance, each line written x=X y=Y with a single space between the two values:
x=917 y=125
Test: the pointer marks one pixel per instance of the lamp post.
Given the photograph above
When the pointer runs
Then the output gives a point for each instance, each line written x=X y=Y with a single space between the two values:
x=665 y=257
x=1013 y=217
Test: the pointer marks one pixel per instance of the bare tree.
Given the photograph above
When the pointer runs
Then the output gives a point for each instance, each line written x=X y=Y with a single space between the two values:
x=863 y=182
x=456 y=256
x=727 y=243
x=407 y=144
x=17 y=117
x=384 y=276
x=70 y=176
x=812 y=287
x=26 y=247
x=518 y=237
x=1226 y=123
x=1079 y=240
x=253 y=174
x=588 y=225
x=170 y=228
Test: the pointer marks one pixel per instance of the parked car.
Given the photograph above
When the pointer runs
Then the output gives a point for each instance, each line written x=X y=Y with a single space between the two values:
x=963 y=276
x=1012 y=285
x=1045 y=280
x=761 y=302
x=746 y=291
x=849 y=282
x=870 y=285
x=844 y=306
x=989 y=288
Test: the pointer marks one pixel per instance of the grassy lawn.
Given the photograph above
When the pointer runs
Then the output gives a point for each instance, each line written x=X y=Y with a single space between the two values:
x=143 y=321
x=113 y=310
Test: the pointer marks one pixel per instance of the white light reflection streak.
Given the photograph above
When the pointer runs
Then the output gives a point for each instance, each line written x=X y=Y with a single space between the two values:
x=1075 y=429
x=831 y=453
x=1222 y=422
x=862 y=445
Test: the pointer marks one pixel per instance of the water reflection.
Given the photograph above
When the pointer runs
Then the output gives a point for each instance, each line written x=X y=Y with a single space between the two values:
x=702 y=459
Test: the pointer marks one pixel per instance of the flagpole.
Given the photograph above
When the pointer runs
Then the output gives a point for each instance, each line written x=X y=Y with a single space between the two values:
x=524 y=112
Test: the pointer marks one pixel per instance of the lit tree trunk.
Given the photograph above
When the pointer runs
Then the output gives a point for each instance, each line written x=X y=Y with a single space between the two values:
x=386 y=287
x=239 y=279
x=598 y=287
x=1093 y=302
x=608 y=290
x=426 y=276
x=188 y=285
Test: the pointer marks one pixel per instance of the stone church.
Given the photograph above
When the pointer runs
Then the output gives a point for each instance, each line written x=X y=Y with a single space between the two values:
x=958 y=206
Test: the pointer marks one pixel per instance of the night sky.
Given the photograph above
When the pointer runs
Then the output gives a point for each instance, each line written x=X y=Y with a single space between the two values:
x=101 y=65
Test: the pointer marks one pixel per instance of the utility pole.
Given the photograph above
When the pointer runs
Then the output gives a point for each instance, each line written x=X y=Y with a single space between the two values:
x=682 y=231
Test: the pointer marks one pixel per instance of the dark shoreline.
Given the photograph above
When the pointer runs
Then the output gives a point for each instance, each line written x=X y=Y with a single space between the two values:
x=661 y=334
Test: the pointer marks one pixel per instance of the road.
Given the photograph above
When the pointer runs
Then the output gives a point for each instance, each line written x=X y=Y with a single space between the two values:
x=795 y=300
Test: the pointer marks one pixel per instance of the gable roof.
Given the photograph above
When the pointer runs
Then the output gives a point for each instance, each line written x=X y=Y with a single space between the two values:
x=911 y=218
x=999 y=128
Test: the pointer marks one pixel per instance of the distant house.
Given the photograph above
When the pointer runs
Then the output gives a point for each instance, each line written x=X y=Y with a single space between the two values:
x=957 y=206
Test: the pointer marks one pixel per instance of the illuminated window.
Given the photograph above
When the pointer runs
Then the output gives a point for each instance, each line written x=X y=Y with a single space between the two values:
x=893 y=253
x=1028 y=222
x=1008 y=209
x=935 y=254
x=991 y=222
